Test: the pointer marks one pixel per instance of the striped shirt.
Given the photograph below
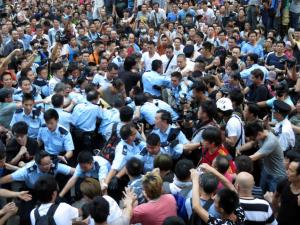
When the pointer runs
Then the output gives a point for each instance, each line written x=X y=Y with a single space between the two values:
x=257 y=212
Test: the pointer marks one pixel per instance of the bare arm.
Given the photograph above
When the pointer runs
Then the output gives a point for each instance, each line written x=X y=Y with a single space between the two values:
x=68 y=186
x=6 y=179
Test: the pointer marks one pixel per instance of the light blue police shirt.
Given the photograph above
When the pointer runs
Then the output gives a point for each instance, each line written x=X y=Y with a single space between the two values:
x=176 y=151
x=85 y=114
x=30 y=173
x=153 y=78
x=34 y=120
x=56 y=142
x=124 y=152
x=99 y=171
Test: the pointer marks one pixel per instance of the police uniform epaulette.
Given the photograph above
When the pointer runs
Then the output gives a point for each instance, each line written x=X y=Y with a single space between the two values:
x=32 y=169
x=137 y=141
x=119 y=59
x=124 y=152
x=143 y=152
x=36 y=112
x=18 y=92
x=63 y=131
x=44 y=125
x=19 y=110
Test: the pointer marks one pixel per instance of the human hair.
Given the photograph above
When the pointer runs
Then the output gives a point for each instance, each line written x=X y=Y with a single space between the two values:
x=117 y=83
x=126 y=114
x=292 y=155
x=20 y=127
x=173 y=220
x=140 y=99
x=228 y=200
x=222 y=164
x=207 y=46
x=252 y=129
x=57 y=100
x=252 y=32
x=182 y=169
x=156 y=64
x=200 y=87
x=212 y=135
x=153 y=139
x=165 y=116
x=90 y=188
x=99 y=209
x=40 y=155
x=253 y=108
x=27 y=97
x=280 y=42
x=22 y=79
x=112 y=66
x=126 y=131
x=177 y=74
x=151 y=43
x=170 y=47
x=134 y=167
x=85 y=157
x=253 y=57
x=24 y=72
x=258 y=73
x=129 y=62
x=152 y=184
x=44 y=188
x=209 y=183
x=236 y=96
x=210 y=108
x=92 y=96
x=60 y=87
x=56 y=66
x=51 y=114
x=164 y=162
x=243 y=163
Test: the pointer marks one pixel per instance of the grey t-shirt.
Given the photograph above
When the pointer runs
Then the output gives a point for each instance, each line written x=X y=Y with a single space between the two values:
x=273 y=156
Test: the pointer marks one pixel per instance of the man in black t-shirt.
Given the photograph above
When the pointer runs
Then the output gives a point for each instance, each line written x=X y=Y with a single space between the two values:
x=21 y=148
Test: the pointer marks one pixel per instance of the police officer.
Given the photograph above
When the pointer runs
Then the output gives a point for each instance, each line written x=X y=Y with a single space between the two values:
x=128 y=147
x=84 y=117
x=88 y=166
x=65 y=118
x=106 y=80
x=283 y=128
x=153 y=81
x=179 y=89
x=120 y=58
x=152 y=149
x=32 y=116
x=57 y=140
x=30 y=174
x=172 y=139
x=33 y=170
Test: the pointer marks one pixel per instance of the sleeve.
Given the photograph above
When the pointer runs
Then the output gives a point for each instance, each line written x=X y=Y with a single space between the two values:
x=20 y=174
x=270 y=102
x=40 y=135
x=138 y=214
x=104 y=168
x=244 y=49
x=68 y=142
x=63 y=169
x=119 y=158
x=283 y=140
x=232 y=127
x=70 y=210
x=271 y=218
x=266 y=148
x=182 y=138
x=78 y=172
x=13 y=120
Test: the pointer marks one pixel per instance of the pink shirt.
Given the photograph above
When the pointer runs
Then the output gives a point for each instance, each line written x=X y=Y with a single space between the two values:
x=229 y=177
x=155 y=212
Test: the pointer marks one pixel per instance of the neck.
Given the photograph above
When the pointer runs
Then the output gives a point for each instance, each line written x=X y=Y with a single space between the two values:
x=212 y=150
x=164 y=128
x=296 y=186
x=245 y=194
x=104 y=223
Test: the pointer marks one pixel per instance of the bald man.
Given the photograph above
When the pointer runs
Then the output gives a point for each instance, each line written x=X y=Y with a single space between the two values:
x=256 y=210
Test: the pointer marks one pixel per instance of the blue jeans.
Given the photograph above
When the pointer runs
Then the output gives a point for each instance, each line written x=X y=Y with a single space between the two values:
x=268 y=182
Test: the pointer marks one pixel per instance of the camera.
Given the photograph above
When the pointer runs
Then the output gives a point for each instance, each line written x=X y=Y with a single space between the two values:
x=61 y=38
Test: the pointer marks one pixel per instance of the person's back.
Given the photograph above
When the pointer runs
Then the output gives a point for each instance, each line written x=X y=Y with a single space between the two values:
x=46 y=192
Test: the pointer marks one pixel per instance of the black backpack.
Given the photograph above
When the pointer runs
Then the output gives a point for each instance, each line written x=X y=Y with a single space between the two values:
x=195 y=219
x=47 y=219
x=108 y=151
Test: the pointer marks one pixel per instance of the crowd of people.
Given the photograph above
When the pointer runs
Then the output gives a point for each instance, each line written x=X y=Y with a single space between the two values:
x=153 y=112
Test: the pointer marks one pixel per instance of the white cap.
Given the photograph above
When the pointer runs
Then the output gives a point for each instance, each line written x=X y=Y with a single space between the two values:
x=224 y=104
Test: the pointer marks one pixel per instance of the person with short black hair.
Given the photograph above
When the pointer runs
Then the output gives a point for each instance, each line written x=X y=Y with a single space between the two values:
x=88 y=166
x=56 y=139
x=99 y=210
x=65 y=118
x=46 y=191
x=21 y=148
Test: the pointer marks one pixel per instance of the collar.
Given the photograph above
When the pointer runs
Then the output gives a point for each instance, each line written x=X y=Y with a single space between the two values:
x=167 y=131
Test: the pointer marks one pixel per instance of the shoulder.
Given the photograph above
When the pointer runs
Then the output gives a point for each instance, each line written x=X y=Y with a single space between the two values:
x=62 y=130
x=18 y=111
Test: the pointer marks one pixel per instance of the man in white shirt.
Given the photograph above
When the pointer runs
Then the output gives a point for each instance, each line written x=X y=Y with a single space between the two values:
x=58 y=74
x=283 y=128
x=207 y=13
x=149 y=56
x=46 y=191
x=158 y=15
x=169 y=61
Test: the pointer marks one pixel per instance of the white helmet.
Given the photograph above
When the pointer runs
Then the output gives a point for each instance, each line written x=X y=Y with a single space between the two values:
x=224 y=104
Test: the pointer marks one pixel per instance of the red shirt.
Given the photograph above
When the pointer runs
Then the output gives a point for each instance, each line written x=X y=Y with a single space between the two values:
x=208 y=158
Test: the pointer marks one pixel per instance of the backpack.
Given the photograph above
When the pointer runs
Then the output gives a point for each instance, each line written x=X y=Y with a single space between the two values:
x=108 y=151
x=195 y=219
x=47 y=219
